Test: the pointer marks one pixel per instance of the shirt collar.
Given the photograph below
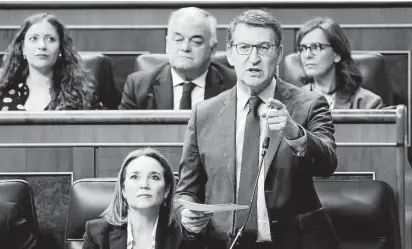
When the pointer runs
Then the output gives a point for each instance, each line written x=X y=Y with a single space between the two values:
x=199 y=81
x=130 y=239
x=268 y=92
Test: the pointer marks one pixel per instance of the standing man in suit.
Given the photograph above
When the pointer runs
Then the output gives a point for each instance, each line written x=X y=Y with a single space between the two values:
x=189 y=77
x=222 y=151
x=15 y=232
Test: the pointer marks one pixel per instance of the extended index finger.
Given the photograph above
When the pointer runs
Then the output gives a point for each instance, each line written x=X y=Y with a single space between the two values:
x=275 y=104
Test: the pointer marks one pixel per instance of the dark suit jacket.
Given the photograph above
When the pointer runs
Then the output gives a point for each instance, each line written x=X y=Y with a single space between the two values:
x=154 y=89
x=15 y=233
x=207 y=169
x=102 y=235
x=361 y=99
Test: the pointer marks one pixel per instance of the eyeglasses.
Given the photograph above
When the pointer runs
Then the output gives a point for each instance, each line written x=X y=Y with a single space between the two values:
x=246 y=49
x=314 y=48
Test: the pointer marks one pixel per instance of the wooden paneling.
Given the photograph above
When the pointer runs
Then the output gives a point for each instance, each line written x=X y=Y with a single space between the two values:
x=89 y=134
x=357 y=133
x=83 y=162
x=287 y=14
x=77 y=134
x=366 y=159
x=107 y=39
x=49 y=159
x=386 y=38
x=94 y=143
x=109 y=159
x=13 y=160
x=152 y=40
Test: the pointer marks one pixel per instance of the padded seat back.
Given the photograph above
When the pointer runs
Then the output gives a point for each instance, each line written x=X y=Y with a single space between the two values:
x=88 y=199
x=364 y=213
x=150 y=61
x=20 y=192
x=101 y=68
x=371 y=66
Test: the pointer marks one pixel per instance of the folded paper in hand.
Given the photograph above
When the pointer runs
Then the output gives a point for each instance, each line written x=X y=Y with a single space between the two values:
x=209 y=208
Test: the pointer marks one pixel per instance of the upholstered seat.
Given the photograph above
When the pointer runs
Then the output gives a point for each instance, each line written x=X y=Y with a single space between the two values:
x=88 y=199
x=149 y=61
x=371 y=65
x=101 y=68
x=19 y=192
x=364 y=213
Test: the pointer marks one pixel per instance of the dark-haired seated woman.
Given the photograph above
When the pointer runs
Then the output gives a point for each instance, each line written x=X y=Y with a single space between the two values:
x=42 y=71
x=326 y=59
x=140 y=213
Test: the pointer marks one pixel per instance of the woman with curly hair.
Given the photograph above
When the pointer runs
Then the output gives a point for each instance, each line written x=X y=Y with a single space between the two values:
x=42 y=71
x=326 y=58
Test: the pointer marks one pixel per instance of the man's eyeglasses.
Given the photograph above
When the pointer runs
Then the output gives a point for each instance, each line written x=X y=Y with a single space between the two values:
x=246 y=49
x=314 y=48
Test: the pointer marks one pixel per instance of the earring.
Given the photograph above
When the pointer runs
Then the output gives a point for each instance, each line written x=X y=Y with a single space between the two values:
x=24 y=55
x=60 y=54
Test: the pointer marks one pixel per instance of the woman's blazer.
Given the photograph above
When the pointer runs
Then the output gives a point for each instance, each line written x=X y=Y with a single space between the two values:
x=102 y=235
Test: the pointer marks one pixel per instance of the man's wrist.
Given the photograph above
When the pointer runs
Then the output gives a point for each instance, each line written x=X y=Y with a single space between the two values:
x=298 y=133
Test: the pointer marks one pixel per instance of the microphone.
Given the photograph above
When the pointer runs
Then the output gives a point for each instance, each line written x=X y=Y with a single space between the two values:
x=265 y=146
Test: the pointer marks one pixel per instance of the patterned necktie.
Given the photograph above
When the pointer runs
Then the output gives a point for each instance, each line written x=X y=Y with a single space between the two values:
x=186 y=100
x=249 y=167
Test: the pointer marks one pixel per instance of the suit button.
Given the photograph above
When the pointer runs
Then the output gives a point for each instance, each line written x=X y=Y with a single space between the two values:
x=313 y=160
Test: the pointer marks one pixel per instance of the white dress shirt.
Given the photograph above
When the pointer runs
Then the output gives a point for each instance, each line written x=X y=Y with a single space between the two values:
x=130 y=239
x=198 y=93
x=298 y=146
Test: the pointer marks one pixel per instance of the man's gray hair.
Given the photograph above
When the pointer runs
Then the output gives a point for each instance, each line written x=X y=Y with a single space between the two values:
x=211 y=20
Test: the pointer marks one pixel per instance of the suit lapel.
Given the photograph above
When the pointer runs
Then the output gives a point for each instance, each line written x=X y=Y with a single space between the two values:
x=118 y=237
x=213 y=84
x=283 y=94
x=163 y=89
x=227 y=133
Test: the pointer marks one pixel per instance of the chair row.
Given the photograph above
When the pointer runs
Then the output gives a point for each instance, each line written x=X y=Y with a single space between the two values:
x=364 y=213
x=372 y=67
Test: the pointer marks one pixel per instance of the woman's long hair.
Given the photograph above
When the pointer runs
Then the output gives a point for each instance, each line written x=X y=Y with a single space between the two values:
x=73 y=87
x=348 y=76
x=117 y=211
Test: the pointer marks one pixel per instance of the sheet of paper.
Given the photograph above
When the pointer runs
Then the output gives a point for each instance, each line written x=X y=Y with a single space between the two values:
x=211 y=208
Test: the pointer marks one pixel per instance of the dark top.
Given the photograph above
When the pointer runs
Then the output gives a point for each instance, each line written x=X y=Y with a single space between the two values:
x=14 y=98
x=102 y=235
x=153 y=89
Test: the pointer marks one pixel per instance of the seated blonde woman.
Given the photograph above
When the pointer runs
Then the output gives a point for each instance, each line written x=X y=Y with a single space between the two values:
x=140 y=213
x=326 y=58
